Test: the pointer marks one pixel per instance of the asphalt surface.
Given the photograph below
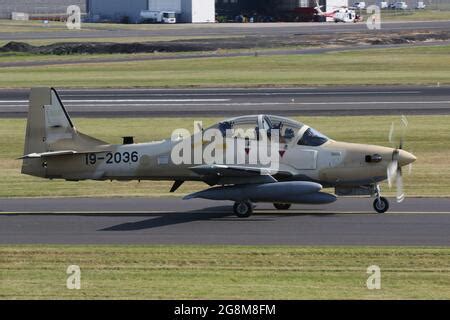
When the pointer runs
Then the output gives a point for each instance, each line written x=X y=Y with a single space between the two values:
x=328 y=101
x=416 y=222
x=247 y=29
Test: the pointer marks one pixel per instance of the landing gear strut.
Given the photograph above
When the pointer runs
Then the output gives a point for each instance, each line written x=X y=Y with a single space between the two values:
x=380 y=204
x=282 y=206
x=243 y=209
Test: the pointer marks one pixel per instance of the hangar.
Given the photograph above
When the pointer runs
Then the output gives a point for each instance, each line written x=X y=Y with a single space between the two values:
x=189 y=11
x=271 y=10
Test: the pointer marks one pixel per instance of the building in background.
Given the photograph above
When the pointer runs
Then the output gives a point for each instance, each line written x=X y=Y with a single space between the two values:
x=189 y=11
x=40 y=9
x=266 y=10
x=196 y=11
x=298 y=10
x=272 y=10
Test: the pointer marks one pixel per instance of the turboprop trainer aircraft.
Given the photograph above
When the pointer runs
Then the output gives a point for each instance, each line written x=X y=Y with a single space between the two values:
x=302 y=161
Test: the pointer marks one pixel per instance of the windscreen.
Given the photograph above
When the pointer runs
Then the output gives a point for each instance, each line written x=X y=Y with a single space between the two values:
x=312 y=138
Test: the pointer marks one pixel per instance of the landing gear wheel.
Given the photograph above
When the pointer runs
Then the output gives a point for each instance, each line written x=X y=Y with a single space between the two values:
x=243 y=209
x=381 y=205
x=282 y=206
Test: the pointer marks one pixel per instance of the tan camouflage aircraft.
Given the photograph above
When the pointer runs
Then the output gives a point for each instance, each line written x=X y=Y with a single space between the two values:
x=308 y=161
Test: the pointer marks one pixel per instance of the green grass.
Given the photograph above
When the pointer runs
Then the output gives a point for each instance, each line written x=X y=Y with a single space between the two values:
x=424 y=65
x=28 y=57
x=416 y=15
x=223 y=272
x=427 y=138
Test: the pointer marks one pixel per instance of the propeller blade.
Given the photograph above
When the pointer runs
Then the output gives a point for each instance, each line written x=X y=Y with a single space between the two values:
x=404 y=121
x=394 y=170
x=410 y=166
x=391 y=133
x=400 y=193
x=391 y=172
x=405 y=125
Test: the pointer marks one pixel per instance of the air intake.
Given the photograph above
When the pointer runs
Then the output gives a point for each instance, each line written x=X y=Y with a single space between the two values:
x=128 y=140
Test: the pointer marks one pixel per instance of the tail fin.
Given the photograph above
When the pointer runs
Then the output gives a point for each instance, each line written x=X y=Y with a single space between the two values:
x=318 y=8
x=49 y=129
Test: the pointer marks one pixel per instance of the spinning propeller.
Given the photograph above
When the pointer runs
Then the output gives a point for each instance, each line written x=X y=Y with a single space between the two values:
x=399 y=158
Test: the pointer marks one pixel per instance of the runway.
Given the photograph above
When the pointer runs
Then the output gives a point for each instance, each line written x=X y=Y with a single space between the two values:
x=349 y=221
x=227 y=29
x=329 y=101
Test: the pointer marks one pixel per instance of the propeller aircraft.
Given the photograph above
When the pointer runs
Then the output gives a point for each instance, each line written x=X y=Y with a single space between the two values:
x=302 y=162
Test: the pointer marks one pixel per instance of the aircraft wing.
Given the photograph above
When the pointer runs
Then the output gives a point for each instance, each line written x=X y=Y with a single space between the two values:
x=232 y=174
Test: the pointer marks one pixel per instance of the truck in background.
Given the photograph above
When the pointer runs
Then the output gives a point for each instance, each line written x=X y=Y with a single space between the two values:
x=158 y=16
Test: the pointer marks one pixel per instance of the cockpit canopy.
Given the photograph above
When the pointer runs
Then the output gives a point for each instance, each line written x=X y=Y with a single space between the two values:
x=290 y=131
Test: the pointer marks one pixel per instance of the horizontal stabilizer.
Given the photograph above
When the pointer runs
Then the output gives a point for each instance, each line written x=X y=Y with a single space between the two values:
x=56 y=154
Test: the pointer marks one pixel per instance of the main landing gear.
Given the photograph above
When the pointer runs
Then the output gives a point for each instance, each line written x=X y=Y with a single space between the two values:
x=282 y=206
x=244 y=209
x=380 y=204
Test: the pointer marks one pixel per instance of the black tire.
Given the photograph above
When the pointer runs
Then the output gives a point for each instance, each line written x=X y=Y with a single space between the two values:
x=282 y=206
x=381 y=206
x=243 y=209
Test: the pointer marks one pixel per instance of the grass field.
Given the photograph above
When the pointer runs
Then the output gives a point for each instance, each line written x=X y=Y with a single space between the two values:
x=427 y=138
x=223 y=272
x=415 y=15
x=22 y=57
x=423 y=65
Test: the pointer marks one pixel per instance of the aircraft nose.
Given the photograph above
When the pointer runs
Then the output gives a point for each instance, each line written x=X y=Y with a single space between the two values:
x=405 y=158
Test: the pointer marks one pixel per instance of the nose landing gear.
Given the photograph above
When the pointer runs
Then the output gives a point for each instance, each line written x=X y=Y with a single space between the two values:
x=380 y=204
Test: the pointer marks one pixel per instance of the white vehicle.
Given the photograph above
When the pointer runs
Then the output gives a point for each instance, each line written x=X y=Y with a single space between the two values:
x=420 y=5
x=159 y=16
x=384 y=5
x=359 y=5
x=400 y=5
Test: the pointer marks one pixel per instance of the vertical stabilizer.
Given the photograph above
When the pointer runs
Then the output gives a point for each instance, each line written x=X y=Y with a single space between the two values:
x=49 y=129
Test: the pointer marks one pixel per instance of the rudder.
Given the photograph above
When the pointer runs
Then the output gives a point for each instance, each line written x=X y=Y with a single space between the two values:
x=49 y=129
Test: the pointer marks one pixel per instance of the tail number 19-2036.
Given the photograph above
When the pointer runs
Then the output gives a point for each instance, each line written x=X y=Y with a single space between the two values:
x=112 y=157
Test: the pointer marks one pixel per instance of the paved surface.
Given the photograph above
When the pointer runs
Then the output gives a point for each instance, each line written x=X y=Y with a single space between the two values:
x=229 y=102
x=265 y=29
x=419 y=222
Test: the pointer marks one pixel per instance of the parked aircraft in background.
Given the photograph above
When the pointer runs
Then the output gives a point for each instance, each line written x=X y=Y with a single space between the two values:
x=342 y=14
